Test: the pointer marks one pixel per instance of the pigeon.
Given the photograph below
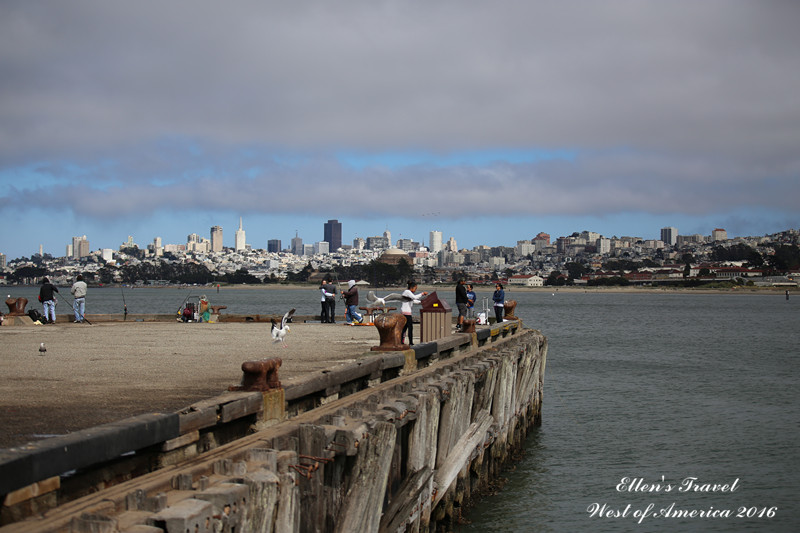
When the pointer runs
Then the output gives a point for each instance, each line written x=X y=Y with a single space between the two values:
x=393 y=297
x=42 y=349
x=280 y=331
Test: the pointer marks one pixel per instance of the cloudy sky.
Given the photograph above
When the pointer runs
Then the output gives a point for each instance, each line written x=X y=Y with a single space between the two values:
x=489 y=121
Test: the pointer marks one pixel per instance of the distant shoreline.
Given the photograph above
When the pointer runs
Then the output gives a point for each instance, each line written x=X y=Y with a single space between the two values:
x=514 y=288
x=481 y=288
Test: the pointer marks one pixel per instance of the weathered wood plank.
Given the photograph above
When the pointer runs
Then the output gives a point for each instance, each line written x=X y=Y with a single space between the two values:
x=362 y=507
x=462 y=450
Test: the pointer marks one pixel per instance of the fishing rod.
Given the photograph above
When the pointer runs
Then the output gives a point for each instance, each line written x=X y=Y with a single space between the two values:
x=341 y=296
x=124 y=304
x=83 y=317
x=184 y=301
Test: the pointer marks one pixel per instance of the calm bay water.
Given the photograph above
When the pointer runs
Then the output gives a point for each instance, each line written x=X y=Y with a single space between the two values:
x=659 y=387
x=652 y=385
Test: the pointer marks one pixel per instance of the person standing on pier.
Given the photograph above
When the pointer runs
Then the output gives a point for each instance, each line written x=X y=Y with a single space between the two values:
x=499 y=299
x=351 y=302
x=462 y=302
x=331 y=303
x=409 y=299
x=324 y=301
x=471 y=297
x=48 y=298
x=78 y=291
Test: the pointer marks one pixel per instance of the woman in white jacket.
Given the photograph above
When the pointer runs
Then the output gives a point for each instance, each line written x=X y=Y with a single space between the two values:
x=409 y=299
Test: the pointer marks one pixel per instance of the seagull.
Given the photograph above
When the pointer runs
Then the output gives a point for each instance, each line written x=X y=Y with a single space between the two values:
x=280 y=331
x=42 y=349
x=393 y=297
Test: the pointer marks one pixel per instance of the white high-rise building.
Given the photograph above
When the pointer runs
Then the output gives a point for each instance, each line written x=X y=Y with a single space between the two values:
x=436 y=241
x=239 y=244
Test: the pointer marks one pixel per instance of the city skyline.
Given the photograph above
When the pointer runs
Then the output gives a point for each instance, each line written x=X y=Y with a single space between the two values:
x=617 y=117
x=433 y=238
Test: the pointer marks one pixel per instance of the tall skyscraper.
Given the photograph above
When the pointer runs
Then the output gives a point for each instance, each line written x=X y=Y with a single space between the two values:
x=669 y=235
x=436 y=241
x=297 y=245
x=333 y=234
x=216 y=238
x=274 y=245
x=239 y=244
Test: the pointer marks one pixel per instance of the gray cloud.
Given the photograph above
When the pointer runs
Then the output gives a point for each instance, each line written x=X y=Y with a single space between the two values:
x=676 y=106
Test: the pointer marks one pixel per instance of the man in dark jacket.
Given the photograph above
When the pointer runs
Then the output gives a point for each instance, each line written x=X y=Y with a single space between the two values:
x=48 y=298
x=462 y=302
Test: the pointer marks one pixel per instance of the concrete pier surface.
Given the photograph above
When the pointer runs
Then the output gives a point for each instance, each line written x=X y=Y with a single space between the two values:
x=94 y=374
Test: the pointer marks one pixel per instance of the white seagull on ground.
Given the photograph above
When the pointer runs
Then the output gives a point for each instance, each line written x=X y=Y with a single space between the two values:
x=279 y=331
x=42 y=349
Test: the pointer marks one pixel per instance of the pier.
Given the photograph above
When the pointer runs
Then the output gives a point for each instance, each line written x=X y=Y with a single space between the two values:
x=349 y=439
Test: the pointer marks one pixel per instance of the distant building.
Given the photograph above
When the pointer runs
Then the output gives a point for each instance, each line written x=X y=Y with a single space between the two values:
x=333 y=234
x=541 y=241
x=526 y=281
x=406 y=245
x=563 y=244
x=80 y=247
x=155 y=248
x=239 y=240
x=719 y=234
x=524 y=248
x=297 y=245
x=216 y=238
x=359 y=243
x=392 y=256
x=377 y=243
x=669 y=235
x=435 y=242
x=321 y=247
x=684 y=240
x=274 y=245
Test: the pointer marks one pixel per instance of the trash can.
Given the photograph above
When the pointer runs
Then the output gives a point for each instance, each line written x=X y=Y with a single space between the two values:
x=435 y=318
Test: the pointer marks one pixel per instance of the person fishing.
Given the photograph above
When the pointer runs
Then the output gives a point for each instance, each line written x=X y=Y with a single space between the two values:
x=78 y=291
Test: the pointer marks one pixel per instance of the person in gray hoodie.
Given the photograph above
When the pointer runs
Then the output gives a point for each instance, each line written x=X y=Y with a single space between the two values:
x=78 y=291
x=351 y=301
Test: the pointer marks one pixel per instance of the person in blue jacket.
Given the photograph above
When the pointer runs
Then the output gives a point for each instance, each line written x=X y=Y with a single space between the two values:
x=499 y=298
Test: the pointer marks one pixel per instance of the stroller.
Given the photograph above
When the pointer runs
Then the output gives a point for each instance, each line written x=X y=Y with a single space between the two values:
x=483 y=314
